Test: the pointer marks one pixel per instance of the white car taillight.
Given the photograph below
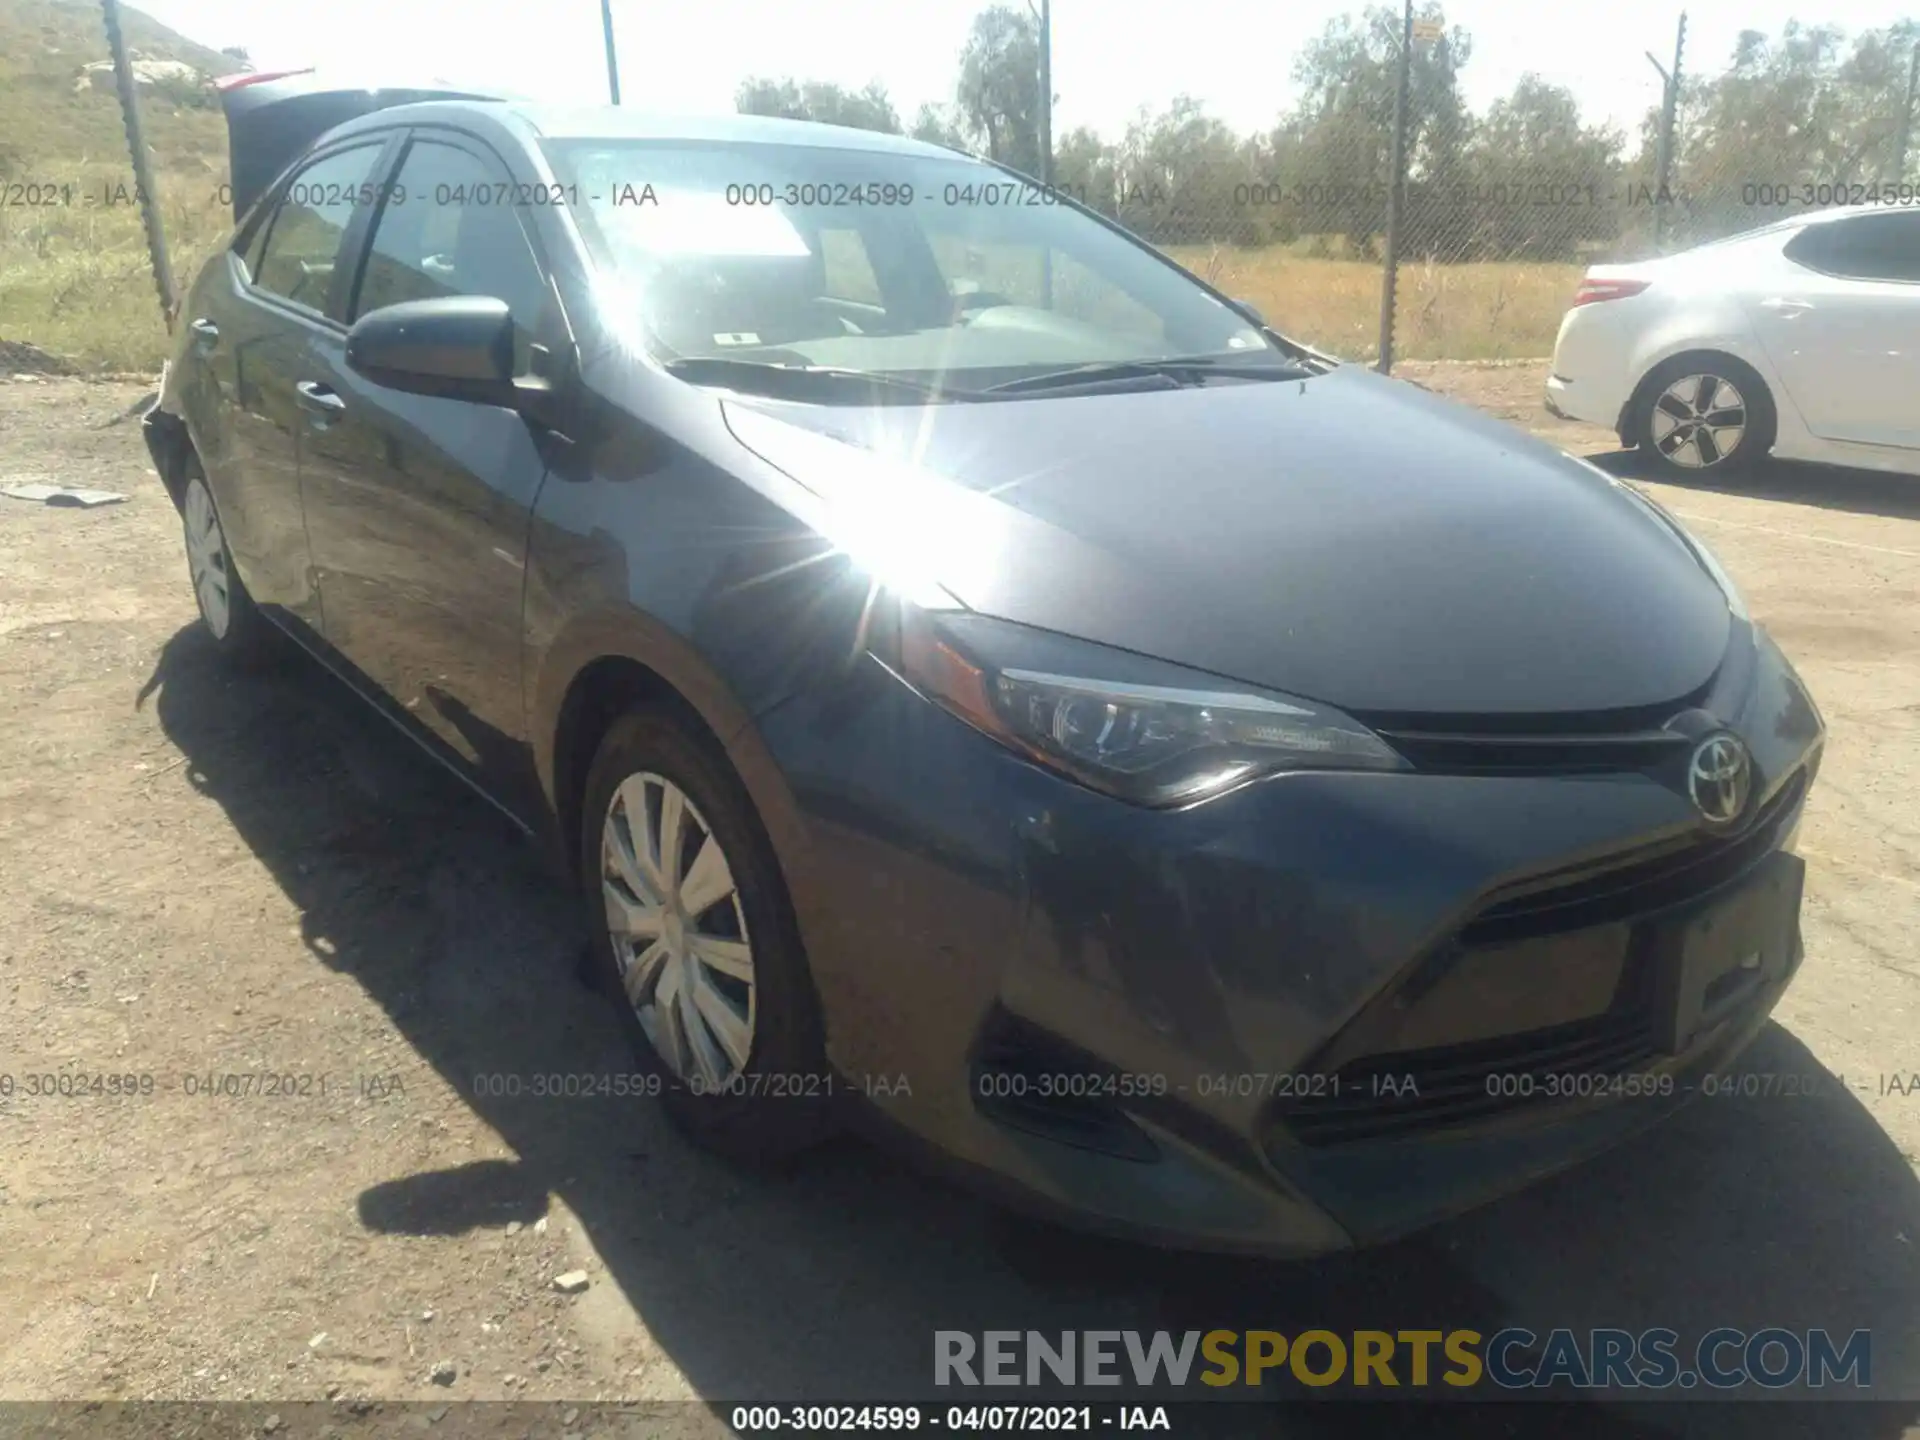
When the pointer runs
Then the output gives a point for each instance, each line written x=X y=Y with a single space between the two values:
x=1592 y=290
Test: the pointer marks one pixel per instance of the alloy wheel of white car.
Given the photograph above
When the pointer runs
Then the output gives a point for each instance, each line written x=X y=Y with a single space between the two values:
x=1699 y=422
x=207 y=559
x=679 y=931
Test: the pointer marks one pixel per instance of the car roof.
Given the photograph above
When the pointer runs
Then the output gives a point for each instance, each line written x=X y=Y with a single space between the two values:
x=616 y=122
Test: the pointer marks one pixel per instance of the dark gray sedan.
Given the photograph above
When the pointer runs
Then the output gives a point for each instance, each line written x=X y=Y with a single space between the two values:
x=987 y=685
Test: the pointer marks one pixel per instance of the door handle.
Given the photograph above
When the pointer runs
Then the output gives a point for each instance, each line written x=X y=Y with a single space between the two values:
x=205 y=332
x=321 y=402
x=1785 y=308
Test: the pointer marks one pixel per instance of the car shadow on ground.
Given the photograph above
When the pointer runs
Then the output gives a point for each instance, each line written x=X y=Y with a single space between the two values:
x=1859 y=492
x=827 y=1280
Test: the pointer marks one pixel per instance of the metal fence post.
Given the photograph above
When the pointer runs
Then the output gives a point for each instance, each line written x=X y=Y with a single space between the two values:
x=144 y=191
x=1669 y=119
x=613 y=64
x=1396 y=195
x=1906 y=113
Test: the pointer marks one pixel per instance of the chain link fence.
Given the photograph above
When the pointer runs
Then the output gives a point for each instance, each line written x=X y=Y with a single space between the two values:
x=1378 y=214
x=1382 y=217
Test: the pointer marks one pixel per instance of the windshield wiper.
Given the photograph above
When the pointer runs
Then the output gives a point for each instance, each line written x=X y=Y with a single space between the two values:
x=805 y=382
x=1185 y=370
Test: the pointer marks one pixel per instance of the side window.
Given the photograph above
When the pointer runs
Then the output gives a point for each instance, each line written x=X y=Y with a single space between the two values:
x=449 y=228
x=296 y=261
x=1867 y=247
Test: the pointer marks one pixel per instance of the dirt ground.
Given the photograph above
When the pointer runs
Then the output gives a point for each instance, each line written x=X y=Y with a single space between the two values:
x=207 y=875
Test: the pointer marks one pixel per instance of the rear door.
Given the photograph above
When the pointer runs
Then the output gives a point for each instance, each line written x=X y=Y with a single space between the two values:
x=418 y=507
x=1841 y=324
x=254 y=325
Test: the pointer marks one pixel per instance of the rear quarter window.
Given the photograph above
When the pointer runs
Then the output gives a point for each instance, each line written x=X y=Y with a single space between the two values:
x=1865 y=247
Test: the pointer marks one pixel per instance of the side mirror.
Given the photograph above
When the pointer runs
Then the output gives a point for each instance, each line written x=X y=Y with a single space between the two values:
x=1251 y=311
x=459 y=347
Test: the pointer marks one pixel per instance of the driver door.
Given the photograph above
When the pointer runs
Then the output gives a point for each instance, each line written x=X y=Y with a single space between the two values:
x=419 y=506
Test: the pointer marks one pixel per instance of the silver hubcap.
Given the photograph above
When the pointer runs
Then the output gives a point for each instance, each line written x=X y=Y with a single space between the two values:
x=679 y=934
x=1699 y=421
x=207 y=560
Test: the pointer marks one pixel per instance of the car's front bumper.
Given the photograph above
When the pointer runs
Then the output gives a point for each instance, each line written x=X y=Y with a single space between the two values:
x=1130 y=1016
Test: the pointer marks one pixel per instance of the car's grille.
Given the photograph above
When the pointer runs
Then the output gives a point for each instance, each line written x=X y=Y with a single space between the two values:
x=1387 y=1091
x=1023 y=1077
x=1636 y=883
x=1385 y=1096
x=1595 y=742
x=1463 y=754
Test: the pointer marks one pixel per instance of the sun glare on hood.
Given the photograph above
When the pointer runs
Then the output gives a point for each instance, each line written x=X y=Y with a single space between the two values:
x=918 y=533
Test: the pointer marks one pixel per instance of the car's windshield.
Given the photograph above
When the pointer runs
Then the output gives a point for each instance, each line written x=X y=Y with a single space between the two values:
x=936 y=270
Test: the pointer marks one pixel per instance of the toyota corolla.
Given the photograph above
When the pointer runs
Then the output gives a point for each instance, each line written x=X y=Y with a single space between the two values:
x=985 y=684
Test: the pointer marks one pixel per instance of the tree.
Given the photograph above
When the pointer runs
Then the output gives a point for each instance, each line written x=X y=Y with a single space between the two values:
x=819 y=100
x=999 y=89
x=1086 y=168
x=940 y=125
x=1805 y=109
x=1540 y=184
x=1183 y=178
x=1336 y=147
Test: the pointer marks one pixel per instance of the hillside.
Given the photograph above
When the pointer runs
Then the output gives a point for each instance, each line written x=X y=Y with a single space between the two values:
x=73 y=274
x=44 y=43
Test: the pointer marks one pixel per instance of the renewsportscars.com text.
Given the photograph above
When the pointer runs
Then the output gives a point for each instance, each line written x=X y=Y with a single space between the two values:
x=1511 y=1359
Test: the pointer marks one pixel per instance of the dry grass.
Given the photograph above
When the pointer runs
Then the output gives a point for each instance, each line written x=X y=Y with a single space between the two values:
x=74 y=275
x=1445 y=312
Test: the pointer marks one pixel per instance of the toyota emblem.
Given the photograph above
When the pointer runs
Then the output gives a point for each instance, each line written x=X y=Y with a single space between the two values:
x=1719 y=778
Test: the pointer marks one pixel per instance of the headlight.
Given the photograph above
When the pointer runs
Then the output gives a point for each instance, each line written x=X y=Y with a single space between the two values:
x=1138 y=729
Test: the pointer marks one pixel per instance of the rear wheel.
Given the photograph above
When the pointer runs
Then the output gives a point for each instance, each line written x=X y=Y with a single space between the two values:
x=239 y=632
x=1705 y=417
x=696 y=942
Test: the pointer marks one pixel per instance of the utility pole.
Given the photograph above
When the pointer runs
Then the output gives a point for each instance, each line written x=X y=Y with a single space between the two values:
x=613 y=63
x=1906 y=112
x=1396 y=195
x=1043 y=16
x=148 y=197
x=1046 y=92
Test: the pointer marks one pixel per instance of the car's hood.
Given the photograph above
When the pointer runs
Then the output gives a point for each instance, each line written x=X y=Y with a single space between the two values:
x=1347 y=538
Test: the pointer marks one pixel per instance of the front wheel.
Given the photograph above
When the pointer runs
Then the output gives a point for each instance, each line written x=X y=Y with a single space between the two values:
x=239 y=632
x=1706 y=418
x=697 y=945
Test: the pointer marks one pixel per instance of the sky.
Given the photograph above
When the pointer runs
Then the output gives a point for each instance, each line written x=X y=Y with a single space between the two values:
x=1110 y=56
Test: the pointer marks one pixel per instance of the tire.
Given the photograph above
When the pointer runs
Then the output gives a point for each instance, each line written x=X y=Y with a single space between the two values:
x=767 y=1095
x=1684 y=393
x=241 y=635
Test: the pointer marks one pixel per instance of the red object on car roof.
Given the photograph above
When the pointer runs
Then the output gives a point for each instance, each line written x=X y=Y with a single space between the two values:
x=254 y=77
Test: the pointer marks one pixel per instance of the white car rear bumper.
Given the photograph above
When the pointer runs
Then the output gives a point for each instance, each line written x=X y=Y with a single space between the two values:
x=1591 y=377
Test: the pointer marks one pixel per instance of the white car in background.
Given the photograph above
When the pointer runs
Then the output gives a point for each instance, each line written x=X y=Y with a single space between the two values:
x=1801 y=338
